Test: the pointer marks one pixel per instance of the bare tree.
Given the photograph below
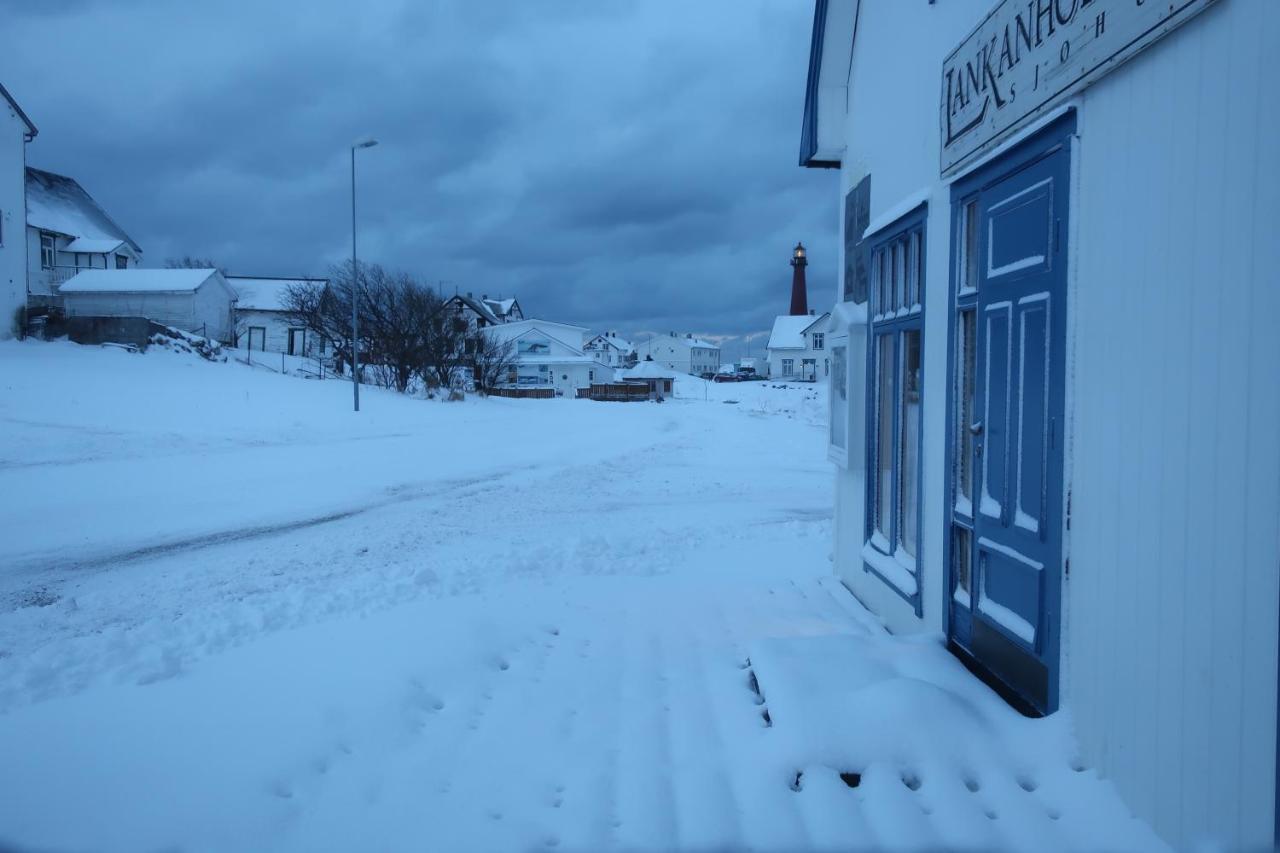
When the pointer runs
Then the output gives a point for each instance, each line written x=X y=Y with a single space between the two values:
x=189 y=262
x=492 y=359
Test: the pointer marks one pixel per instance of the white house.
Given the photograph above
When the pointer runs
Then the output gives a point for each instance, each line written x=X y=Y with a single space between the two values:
x=660 y=378
x=797 y=348
x=16 y=130
x=506 y=310
x=198 y=301
x=548 y=354
x=67 y=231
x=261 y=324
x=1057 y=422
x=611 y=349
x=475 y=311
x=683 y=353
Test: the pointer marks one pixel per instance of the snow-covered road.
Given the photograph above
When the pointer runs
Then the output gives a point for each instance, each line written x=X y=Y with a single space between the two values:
x=234 y=616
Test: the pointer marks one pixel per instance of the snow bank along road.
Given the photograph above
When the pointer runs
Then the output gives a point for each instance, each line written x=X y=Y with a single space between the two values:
x=233 y=615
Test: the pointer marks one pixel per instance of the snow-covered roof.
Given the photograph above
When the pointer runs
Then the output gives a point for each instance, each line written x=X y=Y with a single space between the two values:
x=57 y=203
x=137 y=281
x=501 y=307
x=555 y=359
x=651 y=370
x=623 y=346
x=478 y=306
x=788 y=331
x=94 y=246
x=266 y=294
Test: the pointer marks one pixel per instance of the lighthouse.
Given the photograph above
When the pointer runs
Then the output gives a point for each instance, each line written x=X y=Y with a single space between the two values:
x=799 y=290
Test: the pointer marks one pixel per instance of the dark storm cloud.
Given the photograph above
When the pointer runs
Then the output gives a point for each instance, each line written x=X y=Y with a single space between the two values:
x=619 y=164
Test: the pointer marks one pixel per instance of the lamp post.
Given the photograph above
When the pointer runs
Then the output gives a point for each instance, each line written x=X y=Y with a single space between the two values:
x=355 y=277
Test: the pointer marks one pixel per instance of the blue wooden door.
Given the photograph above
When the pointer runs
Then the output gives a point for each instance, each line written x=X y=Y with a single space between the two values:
x=1007 y=532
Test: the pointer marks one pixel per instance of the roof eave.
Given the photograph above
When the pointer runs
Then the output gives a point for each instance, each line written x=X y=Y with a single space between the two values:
x=812 y=153
x=32 y=131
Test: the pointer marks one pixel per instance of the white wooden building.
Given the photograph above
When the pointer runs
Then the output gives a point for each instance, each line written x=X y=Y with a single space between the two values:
x=797 y=348
x=198 y=301
x=68 y=231
x=1057 y=426
x=16 y=130
x=683 y=353
x=548 y=354
x=262 y=324
x=660 y=378
x=611 y=349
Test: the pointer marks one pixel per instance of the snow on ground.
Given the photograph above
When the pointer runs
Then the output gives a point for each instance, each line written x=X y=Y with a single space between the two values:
x=235 y=615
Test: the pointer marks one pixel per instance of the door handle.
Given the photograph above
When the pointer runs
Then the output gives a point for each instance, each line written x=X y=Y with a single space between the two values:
x=976 y=428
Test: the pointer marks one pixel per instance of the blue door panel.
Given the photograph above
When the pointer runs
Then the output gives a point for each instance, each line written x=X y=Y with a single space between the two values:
x=1011 y=623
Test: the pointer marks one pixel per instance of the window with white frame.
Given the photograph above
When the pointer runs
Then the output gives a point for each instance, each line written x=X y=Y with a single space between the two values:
x=895 y=403
x=818 y=340
x=48 y=250
x=788 y=366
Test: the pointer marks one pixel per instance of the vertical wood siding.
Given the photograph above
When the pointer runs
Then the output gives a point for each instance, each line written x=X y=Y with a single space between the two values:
x=1170 y=653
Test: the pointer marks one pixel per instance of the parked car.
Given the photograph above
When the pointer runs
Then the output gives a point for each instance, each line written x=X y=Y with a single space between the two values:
x=725 y=377
x=707 y=374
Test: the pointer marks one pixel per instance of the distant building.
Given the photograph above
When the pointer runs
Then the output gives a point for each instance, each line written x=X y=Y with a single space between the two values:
x=68 y=231
x=798 y=348
x=16 y=130
x=197 y=301
x=611 y=349
x=261 y=321
x=682 y=353
x=549 y=354
x=660 y=378
x=506 y=310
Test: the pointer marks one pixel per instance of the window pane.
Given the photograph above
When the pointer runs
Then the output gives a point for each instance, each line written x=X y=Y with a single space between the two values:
x=965 y=387
x=962 y=561
x=839 y=397
x=884 y=434
x=970 y=251
x=913 y=269
x=909 y=450
x=899 y=274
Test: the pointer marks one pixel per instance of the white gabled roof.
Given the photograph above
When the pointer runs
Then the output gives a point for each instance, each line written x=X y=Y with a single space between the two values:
x=59 y=204
x=266 y=294
x=788 y=331
x=138 y=281
x=651 y=370
x=94 y=246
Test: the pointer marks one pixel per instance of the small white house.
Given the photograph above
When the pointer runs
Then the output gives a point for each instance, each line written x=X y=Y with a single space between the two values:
x=68 y=231
x=262 y=324
x=798 y=349
x=660 y=378
x=611 y=349
x=16 y=130
x=682 y=353
x=197 y=301
x=1055 y=421
x=550 y=355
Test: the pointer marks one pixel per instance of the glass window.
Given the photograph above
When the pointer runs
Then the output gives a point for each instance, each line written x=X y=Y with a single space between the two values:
x=122 y=262
x=969 y=252
x=913 y=270
x=788 y=366
x=966 y=329
x=48 y=252
x=818 y=338
x=909 y=448
x=884 y=434
x=839 y=397
x=899 y=274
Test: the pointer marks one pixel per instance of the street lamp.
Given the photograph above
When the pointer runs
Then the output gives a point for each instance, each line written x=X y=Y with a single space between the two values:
x=367 y=142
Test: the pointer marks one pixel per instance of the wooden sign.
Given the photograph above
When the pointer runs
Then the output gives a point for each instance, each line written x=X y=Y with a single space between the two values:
x=1027 y=56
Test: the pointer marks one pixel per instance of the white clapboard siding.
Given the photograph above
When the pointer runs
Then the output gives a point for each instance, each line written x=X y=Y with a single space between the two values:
x=1171 y=640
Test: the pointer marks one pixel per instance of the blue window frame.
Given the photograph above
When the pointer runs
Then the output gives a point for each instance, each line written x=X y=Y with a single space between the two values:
x=895 y=404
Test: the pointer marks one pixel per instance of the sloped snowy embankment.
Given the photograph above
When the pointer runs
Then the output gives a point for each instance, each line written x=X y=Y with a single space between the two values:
x=235 y=616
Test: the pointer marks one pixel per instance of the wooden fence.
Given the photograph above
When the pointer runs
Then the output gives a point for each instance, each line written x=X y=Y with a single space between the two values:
x=524 y=393
x=616 y=392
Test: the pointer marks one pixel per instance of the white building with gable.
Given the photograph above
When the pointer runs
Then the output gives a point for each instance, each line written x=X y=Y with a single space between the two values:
x=16 y=130
x=262 y=323
x=1057 y=433
x=68 y=231
x=197 y=301
x=611 y=349
x=550 y=355
x=798 y=350
x=682 y=353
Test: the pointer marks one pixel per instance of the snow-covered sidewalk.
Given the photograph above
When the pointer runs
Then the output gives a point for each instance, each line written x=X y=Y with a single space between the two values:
x=517 y=625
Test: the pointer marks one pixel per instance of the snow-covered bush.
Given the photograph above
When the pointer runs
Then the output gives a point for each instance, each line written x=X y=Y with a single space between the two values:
x=180 y=341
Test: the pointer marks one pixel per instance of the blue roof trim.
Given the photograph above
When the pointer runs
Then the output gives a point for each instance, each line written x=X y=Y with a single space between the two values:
x=31 y=128
x=809 y=126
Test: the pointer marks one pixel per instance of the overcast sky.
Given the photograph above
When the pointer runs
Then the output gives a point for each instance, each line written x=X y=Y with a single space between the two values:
x=625 y=164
